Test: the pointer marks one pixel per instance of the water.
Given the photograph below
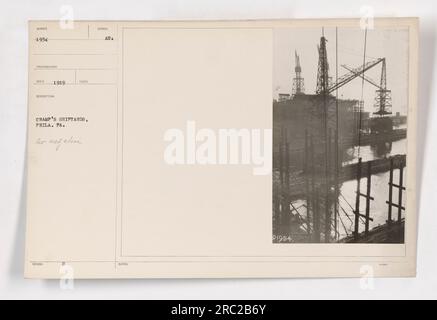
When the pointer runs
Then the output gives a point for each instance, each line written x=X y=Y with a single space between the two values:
x=368 y=153
x=379 y=190
x=378 y=207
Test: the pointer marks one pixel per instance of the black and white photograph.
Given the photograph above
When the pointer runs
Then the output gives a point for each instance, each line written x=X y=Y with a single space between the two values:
x=218 y=155
x=340 y=135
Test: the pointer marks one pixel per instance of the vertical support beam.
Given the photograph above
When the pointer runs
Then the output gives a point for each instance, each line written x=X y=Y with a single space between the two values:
x=336 y=187
x=401 y=181
x=286 y=181
x=287 y=163
x=314 y=196
x=307 y=185
x=390 y=192
x=277 y=213
x=329 y=157
x=328 y=189
x=336 y=182
x=362 y=92
x=281 y=173
x=357 y=201
x=368 y=197
x=326 y=182
x=306 y=153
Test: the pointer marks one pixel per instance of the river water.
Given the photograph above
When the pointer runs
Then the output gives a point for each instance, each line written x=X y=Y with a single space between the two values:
x=379 y=190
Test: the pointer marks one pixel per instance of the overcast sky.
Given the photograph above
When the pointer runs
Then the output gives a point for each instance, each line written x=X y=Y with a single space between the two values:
x=389 y=43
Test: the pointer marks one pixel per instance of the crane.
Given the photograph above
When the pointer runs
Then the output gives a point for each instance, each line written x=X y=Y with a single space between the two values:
x=324 y=85
x=354 y=73
x=383 y=95
x=298 y=82
x=362 y=76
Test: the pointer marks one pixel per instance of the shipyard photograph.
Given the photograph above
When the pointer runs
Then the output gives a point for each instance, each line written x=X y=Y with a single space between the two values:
x=340 y=101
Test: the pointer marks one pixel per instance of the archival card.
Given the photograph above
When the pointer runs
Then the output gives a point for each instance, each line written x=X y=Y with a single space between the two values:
x=222 y=149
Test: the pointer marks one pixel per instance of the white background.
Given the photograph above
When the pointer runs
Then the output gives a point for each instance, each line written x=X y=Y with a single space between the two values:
x=13 y=107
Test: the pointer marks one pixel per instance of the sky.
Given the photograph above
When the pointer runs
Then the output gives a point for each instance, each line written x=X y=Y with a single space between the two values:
x=389 y=43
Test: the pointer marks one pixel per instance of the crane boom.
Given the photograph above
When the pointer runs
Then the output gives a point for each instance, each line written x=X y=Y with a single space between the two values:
x=372 y=82
x=357 y=72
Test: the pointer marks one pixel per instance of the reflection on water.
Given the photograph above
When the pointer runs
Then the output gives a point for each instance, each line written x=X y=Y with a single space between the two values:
x=367 y=153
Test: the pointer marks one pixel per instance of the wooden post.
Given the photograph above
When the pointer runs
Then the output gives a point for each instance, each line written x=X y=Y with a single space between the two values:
x=401 y=178
x=357 y=201
x=390 y=192
x=368 y=197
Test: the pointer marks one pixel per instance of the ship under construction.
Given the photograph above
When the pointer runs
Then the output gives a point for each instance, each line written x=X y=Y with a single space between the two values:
x=312 y=133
